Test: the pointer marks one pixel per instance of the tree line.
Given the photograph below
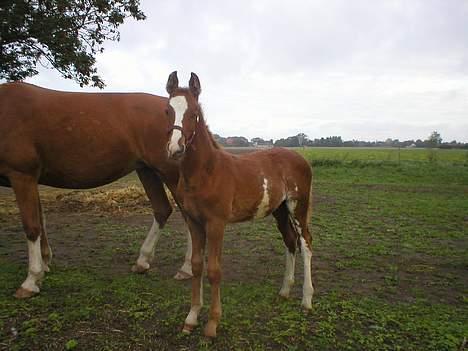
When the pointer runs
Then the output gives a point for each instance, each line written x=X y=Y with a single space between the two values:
x=302 y=140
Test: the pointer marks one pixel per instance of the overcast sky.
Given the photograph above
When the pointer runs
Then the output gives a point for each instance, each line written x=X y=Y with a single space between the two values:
x=360 y=69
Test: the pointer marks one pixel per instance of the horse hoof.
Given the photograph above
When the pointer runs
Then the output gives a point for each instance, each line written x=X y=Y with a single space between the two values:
x=188 y=329
x=284 y=294
x=210 y=330
x=181 y=275
x=307 y=305
x=45 y=268
x=139 y=269
x=23 y=293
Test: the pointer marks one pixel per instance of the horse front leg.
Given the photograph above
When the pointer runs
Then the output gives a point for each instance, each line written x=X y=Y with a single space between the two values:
x=198 y=246
x=215 y=234
x=27 y=198
x=162 y=209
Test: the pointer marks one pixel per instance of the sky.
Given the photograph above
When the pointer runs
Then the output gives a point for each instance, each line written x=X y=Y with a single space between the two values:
x=361 y=69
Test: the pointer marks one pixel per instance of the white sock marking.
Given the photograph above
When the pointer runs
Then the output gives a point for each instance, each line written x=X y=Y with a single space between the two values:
x=308 y=289
x=192 y=317
x=35 y=272
x=147 y=249
x=187 y=266
x=288 y=279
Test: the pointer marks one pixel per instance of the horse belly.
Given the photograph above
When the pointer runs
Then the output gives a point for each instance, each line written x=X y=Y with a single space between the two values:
x=82 y=171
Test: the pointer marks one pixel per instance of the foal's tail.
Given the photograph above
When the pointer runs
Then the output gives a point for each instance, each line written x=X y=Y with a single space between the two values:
x=309 y=208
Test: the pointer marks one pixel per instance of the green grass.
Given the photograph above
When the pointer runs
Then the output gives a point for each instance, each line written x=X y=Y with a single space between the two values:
x=389 y=268
x=392 y=155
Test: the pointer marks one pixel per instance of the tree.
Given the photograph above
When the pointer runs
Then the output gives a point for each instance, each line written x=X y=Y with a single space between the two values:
x=63 y=34
x=434 y=139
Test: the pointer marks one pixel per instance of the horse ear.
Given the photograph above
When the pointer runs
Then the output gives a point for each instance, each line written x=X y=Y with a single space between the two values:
x=194 y=85
x=172 y=83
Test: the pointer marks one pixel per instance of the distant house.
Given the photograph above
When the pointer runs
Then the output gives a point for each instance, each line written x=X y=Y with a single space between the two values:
x=263 y=144
x=237 y=141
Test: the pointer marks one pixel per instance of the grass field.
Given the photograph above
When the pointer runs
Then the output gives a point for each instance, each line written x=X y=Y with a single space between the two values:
x=390 y=240
x=385 y=155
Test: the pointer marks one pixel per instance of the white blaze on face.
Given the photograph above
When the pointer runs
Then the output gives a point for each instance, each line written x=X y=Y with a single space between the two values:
x=179 y=104
x=264 y=205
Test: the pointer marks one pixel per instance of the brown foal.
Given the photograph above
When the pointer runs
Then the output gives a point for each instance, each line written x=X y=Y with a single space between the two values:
x=81 y=140
x=216 y=188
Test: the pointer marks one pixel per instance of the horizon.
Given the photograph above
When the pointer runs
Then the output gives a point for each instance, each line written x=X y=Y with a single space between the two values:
x=363 y=70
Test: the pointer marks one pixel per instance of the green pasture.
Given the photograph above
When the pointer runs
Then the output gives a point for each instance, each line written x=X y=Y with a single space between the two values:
x=389 y=155
x=390 y=242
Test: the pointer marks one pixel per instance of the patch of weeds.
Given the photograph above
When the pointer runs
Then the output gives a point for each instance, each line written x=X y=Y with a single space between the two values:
x=71 y=344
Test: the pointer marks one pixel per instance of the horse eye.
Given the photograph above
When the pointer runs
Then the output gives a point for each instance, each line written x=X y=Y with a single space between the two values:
x=167 y=111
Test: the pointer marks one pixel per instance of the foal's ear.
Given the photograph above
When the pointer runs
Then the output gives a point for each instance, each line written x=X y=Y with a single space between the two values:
x=194 y=85
x=172 y=83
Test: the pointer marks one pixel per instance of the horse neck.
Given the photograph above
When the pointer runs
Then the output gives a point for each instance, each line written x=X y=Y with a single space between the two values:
x=200 y=152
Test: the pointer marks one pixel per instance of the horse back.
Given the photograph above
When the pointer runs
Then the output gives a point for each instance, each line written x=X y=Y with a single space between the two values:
x=78 y=139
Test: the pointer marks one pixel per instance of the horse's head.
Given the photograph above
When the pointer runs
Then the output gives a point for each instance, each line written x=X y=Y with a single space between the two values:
x=183 y=111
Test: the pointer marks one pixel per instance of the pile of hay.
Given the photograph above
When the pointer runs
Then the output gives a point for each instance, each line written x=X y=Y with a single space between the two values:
x=124 y=200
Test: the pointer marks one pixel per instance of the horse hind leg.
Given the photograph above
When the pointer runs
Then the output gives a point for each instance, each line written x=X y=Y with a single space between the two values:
x=27 y=198
x=281 y=215
x=185 y=272
x=162 y=209
x=46 y=251
x=4 y=181
x=298 y=212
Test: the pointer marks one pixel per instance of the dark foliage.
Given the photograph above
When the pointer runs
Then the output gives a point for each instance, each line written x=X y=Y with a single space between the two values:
x=66 y=35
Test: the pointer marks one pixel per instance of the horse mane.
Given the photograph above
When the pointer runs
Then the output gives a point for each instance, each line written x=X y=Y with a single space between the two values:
x=210 y=135
x=215 y=144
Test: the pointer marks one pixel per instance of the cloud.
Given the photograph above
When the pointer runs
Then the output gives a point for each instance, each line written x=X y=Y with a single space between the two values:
x=359 y=69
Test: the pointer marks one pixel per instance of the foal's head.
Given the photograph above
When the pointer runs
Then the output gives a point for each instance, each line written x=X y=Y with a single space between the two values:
x=184 y=112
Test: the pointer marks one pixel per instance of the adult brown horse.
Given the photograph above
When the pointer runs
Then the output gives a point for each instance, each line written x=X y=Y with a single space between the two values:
x=216 y=188
x=79 y=141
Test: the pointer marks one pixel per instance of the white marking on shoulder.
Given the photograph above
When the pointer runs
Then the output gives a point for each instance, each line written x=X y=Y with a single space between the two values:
x=264 y=205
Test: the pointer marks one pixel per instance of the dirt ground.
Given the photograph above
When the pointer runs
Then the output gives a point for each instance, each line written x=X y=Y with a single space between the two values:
x=363 y=248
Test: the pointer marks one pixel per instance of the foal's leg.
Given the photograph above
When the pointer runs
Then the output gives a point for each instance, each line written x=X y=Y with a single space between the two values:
x=162 y=209
x=281 y=215
x=46 y=251
x=185 y=272
x=198 y=246
x=27 y=197
x=215 y=233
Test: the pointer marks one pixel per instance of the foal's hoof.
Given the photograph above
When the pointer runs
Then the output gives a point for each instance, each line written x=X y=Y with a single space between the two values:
x=210 y=329
x=139 y=269
x=23 y=293
x=181 y=275
x=188 y=329
x=307 y=305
